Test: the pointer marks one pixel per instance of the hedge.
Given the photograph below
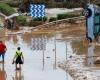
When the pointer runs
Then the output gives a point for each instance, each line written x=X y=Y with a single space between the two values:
x=66 y=15
x=6 y=9
x=21 y=20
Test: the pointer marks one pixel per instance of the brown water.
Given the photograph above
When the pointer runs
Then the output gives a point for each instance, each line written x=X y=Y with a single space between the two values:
x=42 y=52
x=90 y=51
x=40 y=57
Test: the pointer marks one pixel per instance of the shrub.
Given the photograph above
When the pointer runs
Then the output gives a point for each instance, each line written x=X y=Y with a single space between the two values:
x=66 y=15
x=6 y=9
x=52 y=19
x=21 y=20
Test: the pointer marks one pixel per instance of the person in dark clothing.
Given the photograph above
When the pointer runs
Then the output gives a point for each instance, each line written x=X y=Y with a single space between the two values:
x=18 y=59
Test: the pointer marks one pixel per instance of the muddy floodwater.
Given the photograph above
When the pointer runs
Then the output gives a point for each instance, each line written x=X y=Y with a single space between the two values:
x=42 y=52
x=39 y=54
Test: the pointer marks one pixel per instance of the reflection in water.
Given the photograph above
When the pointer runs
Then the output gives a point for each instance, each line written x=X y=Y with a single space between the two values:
x=43 y=58
x=55 y=50
x=27 y=38
x=18 y=75
x=46 y=59
x=12 y=38
x=90 y=55
x=15 y=40
x=3 y=75
x=79 y=47
x=38 y=43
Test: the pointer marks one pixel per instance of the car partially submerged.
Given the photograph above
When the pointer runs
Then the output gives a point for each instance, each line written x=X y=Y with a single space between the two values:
x=92 y=14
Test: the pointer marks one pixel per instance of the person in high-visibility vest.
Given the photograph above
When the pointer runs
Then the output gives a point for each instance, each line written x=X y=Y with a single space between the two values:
x=18 y=59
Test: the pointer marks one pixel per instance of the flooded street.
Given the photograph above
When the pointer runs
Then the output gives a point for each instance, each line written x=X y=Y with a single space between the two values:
x=43 y=51
x=40 y=57
x=55 y=40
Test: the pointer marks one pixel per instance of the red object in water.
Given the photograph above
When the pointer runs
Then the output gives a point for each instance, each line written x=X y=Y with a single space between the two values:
x=2 y=48
x=2 y=75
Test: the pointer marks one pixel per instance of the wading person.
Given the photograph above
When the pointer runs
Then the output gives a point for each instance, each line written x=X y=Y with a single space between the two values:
x=2 y=51
x=18 y=59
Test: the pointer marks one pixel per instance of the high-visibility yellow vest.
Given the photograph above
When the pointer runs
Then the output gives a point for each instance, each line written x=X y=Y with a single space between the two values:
x=18 y=53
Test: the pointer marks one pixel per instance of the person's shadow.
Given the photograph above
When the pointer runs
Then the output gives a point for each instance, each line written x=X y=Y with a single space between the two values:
x=18 y=75
x=3 y=75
